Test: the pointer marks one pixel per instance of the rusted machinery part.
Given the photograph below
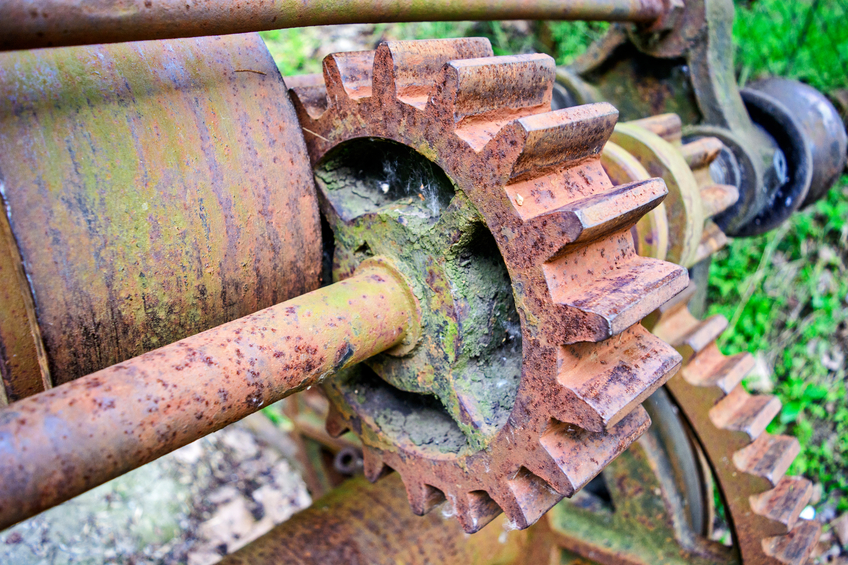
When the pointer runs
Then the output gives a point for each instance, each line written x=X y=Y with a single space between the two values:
x=811 y=136
x=62 y=442
x=653 y=506
x=685 y=234
x=530 y=184
x=689 y=71
x=749 y=464
x=55 y=23
x=364 y=523
x=316 y=450
x=151 y=191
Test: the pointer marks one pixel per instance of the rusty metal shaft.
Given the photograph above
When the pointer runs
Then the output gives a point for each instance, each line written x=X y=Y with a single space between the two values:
x=55 y=23
x=62 y=442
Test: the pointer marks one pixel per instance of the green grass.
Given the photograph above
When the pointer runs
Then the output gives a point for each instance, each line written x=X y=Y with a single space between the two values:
x=784 y=293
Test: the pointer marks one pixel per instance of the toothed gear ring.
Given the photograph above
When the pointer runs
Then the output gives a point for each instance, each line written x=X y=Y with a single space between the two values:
x=529 y=372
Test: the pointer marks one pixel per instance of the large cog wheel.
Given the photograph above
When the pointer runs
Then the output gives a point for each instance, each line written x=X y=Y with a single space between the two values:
x=749 y=464
x=506 y=166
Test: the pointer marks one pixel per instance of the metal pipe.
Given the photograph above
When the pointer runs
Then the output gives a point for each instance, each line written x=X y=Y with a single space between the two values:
x=64 y=441
x=54 y=23
x=363 y=523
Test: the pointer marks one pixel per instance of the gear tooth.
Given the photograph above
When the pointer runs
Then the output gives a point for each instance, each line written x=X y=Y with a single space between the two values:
x=742 y=412
x=712 y=239
x=689 y=335
x=543 y=465
x=606 y=381
x=679 y=301
x=701 y=152
x=588 y=218
x=422 y=497
x=557 y=139
x=348 y=75
x=610 y=295
x=667 y=126
x=529 y=498
x=475 y=509
x=711 y=368
x=480 y=96
x=405 y=69
x=768 y=456
x=581 y=454
x=373 y=466
x=716 y=198
x=309 y=95
x=784 y=503
x=796 y=547
x=335 y=424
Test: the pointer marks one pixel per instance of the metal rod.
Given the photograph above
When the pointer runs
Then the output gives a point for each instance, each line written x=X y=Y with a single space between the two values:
x=62 y=442
x=363 y=523
x=54 y=23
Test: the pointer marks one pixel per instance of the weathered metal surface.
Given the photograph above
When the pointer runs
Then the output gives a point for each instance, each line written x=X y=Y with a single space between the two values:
x=651 y=237
x=748 y=463
x=683 y=205
x=820 y=124
x=19 y=348
x=654 y=514
x=687 y=70
x=154 y=190
x=361 y=523
x=64 y=441
x=527 y=184
x=53 y=23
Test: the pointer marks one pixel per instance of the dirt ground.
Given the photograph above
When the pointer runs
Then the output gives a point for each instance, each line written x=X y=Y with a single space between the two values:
x=192 y=506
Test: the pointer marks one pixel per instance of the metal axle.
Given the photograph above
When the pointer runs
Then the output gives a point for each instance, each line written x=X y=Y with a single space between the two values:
x=56 y=23
x=72 y=438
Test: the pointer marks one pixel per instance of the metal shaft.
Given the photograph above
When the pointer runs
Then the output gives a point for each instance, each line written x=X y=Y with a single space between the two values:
x=62 y=442
x=55 y=23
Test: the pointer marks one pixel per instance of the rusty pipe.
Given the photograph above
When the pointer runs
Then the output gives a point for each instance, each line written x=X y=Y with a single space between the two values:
x=69 y=439
x=54 y=23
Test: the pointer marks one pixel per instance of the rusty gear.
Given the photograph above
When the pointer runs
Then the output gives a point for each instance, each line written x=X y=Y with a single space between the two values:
x=729 y=424
x=563 y=230
x=748 y=463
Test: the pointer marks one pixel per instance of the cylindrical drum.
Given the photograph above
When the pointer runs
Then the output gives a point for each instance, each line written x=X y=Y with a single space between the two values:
x=150 y=191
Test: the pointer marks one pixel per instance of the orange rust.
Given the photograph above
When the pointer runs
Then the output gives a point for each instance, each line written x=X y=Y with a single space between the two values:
x=748 y=463
x=563 y=232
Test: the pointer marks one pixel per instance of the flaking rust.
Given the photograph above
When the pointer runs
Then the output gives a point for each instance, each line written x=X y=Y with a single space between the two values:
x=562 y=233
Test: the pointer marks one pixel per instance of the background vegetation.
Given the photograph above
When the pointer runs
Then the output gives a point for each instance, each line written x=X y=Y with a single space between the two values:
x=785 y=293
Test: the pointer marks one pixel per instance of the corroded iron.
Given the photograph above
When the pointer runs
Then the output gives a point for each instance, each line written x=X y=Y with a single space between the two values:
x=53 y=23
x=651 y=508
x=687 y=234
x=362 y=523
x=151 y=191
x=749 y=464
x=62 y=442
x=688 y=70
x=530 y=181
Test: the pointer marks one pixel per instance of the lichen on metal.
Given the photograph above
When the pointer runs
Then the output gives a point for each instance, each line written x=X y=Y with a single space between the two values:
x=152 y=191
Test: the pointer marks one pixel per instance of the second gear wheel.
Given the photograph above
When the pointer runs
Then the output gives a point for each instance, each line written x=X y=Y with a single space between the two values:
x=437 y=154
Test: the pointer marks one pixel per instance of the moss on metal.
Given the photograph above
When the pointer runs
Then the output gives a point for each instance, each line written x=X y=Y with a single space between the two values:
x=385 y=199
